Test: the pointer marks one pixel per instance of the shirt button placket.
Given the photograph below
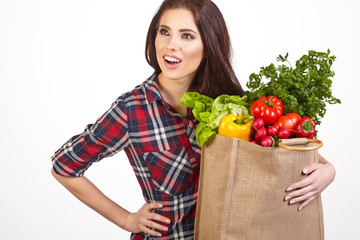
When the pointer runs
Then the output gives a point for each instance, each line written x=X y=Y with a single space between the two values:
x=189 y=127
x=186 y=124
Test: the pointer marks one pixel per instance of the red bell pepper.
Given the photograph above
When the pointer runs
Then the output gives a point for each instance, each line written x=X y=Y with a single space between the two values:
x=306 y=127
x=268 y=108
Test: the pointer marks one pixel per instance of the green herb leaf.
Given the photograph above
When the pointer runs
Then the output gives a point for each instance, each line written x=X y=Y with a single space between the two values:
x=304 y=89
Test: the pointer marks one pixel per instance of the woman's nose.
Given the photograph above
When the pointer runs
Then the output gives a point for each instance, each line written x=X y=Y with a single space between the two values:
x=173 y=43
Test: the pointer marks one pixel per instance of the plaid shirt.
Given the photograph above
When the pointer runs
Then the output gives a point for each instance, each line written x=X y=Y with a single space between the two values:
x=160 y=144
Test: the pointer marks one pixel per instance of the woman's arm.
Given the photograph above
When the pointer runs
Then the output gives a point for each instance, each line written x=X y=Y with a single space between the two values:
x=88 y=193
x=319 y=176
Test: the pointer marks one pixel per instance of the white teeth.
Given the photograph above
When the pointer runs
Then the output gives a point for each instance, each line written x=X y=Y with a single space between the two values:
x=171 y=59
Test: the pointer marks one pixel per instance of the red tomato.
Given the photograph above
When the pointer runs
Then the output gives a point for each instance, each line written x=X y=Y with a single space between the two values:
x=288 y=121
x=268 y=108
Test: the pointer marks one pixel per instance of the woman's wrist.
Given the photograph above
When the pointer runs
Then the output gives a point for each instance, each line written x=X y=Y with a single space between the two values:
x=128 y=223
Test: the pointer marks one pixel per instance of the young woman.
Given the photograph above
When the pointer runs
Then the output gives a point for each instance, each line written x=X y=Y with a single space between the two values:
x=189 y=48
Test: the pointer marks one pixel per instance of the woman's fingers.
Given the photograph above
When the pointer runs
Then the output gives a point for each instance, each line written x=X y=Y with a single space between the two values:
x=303 y=204
x=157 y=226
x=297 y=193
x=148 y=222
x=151 y=219
x=306 y=181
x=306 y=190
x=311 y=168
x=300 y=196
x=301 y=184
x=159 y=218
x=149 y=231
x=303 y=196
x=155 y=216
x=153 y=205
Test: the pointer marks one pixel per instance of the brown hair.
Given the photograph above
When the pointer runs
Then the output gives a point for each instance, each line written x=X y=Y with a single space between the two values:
x=215 y=74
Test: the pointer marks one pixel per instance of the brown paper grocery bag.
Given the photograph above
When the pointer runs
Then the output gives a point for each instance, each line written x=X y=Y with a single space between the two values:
x=242 y=189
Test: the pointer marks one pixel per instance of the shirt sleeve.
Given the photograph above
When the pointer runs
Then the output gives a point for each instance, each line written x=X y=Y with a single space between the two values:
x=106 y=137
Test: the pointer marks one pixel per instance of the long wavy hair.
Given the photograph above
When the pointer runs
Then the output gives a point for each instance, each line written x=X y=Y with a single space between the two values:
x=215 y=75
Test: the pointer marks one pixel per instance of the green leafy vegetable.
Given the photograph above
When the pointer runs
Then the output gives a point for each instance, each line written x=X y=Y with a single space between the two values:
x=209 y=111
x=304 y=89
x=203 y=133
x=199 y=103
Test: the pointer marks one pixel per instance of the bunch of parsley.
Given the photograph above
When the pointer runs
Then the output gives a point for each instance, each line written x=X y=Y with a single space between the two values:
x=304 y=89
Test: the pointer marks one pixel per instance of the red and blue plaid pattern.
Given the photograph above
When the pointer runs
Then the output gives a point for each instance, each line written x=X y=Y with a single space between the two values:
x=160 y=145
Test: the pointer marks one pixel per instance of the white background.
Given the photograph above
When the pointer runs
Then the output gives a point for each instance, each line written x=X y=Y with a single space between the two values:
x=62 y=64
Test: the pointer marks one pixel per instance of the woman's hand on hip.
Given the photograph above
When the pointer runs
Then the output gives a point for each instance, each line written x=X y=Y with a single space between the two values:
x=144 y=219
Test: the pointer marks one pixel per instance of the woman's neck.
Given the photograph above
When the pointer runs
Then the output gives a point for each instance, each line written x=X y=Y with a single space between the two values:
x=172 y=91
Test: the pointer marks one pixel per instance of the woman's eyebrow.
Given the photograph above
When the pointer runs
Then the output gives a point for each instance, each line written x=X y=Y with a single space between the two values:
x=164 y=26
x=188 y=30
x=181 y=30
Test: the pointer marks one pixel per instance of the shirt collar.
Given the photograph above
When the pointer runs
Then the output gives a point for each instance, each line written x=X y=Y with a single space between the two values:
x=152 y=89
x=153 y=94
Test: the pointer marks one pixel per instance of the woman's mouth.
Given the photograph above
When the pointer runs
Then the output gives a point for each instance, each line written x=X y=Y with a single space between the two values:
x=171 y=61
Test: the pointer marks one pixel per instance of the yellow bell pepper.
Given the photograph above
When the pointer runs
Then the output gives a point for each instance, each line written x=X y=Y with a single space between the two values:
x=236 y=126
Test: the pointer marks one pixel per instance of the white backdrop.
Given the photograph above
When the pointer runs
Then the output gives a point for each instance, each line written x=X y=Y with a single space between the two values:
x=62 y=64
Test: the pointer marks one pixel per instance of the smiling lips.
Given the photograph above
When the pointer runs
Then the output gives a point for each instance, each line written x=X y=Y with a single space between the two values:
x=172 y=62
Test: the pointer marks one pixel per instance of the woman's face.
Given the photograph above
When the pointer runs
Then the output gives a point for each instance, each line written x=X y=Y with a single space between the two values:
x=178 y=44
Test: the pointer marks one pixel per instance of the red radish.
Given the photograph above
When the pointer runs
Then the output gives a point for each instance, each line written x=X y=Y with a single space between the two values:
x=284 y=133
x=253 y=141
x=272 y=130
x=260 y=134
x=267 y=141
x=258 y=123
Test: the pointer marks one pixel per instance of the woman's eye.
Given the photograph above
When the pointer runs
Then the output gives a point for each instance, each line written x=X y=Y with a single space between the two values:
x=164 y=32
x=187 y=36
